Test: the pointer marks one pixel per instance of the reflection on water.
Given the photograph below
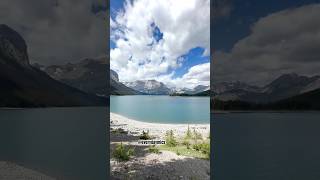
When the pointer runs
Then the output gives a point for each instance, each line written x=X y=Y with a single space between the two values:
x=266 y=146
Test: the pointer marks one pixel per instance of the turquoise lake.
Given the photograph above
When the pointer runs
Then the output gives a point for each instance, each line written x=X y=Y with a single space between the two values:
x=162 y=109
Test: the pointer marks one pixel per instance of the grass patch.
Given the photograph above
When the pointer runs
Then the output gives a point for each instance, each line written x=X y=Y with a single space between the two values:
x=184 y=151
x=192 y=144
x=123 y=153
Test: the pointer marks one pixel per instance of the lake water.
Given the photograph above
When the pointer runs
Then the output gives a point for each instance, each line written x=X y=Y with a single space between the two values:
x=60 y=142
x=162 y=109
x=266 y=146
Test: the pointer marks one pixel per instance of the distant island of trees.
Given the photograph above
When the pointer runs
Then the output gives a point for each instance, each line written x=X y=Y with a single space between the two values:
x=306 y=101
x=204 y=93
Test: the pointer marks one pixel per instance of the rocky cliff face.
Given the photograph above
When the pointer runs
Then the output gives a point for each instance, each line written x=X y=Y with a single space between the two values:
x=117 y=88
x=114 y=76
x=89 y=75
x=12 y=46
x=25 y=86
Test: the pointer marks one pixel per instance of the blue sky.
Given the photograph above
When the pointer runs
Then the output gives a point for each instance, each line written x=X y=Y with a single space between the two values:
x=169 y=46
x=192 y=58
x=115 y=6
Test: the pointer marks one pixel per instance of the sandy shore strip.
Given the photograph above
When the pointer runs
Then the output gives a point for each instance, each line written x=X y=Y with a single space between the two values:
x=157 y=130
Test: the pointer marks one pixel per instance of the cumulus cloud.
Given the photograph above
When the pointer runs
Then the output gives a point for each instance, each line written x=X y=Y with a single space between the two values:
x=139 y=55
x=283 y=42
x=196 y=75
x=58 y=31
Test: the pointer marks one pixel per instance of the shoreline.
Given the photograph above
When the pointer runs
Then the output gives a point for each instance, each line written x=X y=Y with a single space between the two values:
x=158 y=130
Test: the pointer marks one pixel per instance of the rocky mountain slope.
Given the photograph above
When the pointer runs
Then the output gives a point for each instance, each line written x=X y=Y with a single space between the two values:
x=287 y=92
x=283 y=87
x=152 y=87
x=195 y=90
x=88 y=75
x=117 y=88
x=23 y=85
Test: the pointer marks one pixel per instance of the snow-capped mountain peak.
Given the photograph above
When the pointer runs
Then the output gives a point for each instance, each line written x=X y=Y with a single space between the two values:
x=149 y=87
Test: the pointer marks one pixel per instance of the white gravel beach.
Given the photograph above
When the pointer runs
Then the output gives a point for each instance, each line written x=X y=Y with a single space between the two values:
x=157 y=130
x=145 y=165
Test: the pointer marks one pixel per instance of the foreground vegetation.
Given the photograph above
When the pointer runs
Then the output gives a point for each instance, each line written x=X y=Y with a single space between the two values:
x=193 y=144
x=122 y=152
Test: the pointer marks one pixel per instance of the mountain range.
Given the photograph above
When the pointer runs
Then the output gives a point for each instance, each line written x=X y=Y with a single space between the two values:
x=118 y=88
x=285 y=91
x=147 y=87
x=88 y=75
x=194 y=91
x=23 y=85
x=151 y=87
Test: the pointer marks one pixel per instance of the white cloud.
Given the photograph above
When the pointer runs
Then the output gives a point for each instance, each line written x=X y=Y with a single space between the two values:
x=196 y=75
x=184 y=24
x=283 y=42
x=58 y=31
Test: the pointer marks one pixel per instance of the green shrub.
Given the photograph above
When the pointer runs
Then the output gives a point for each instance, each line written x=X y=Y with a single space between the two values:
x=196 y=135
x=187 y=143
x=122 y=153
x=203 y=147
x=170 y=139
x=178 y=153
x=196 y=147
x=154 y=149
x=119 y=131
x=188 y=133
x=145 y=135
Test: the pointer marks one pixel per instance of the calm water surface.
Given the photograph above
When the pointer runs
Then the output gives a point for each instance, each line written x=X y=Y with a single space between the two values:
x=61 y=142
x=266 y=146
x=162 y=109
